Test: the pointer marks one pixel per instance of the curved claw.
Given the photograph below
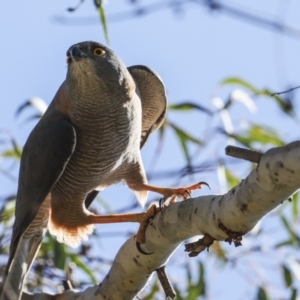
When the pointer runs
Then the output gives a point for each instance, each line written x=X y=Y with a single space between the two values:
x=161 y=203
x=204 y=183
x=188 y=192
x=138 y=246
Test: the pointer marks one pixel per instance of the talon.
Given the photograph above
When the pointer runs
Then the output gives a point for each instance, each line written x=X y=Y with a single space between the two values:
x=161 y=203
x=148 y=215
x=188 y=192
x=203 y=183
x=138 y=246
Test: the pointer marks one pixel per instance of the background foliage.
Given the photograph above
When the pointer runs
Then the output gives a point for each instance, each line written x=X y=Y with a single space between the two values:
x=268 y=264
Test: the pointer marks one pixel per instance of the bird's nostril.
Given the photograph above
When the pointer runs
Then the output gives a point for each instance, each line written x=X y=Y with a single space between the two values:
x=76 y=51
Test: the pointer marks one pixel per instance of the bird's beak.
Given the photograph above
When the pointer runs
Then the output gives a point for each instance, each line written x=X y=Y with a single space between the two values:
x=69 y=59
x=74 y=53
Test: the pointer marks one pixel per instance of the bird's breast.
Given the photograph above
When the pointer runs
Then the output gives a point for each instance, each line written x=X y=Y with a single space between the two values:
x=107 y=143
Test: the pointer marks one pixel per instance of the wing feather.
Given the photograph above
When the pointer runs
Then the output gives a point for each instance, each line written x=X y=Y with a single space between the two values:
x=44 y=158
x=153 y=97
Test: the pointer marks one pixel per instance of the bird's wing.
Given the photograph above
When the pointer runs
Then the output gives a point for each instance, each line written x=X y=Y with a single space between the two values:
x=45 y=156
x=90 y=198
x=153 y=97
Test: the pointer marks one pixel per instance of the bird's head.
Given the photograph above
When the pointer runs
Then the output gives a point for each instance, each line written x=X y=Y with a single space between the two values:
x=90 y=63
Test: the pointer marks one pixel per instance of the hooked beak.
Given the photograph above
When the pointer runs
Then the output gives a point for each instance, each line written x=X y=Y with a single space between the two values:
x=74 y=53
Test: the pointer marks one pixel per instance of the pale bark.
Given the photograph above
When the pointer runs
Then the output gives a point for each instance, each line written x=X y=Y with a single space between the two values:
x=275 y=179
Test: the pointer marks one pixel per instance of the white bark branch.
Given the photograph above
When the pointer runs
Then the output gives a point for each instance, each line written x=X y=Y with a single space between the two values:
x=275 y=179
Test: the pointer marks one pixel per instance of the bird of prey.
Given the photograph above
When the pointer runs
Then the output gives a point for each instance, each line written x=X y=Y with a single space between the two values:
x=88 y=139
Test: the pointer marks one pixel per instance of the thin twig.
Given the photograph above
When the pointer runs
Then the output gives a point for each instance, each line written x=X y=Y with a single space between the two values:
x=216 y=6
x=279 y=93
x=165 y=282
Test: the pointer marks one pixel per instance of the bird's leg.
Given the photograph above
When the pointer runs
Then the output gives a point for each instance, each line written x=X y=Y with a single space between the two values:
x=168 y=193
x=142 y=218
x=149 y=214
x=172 y=192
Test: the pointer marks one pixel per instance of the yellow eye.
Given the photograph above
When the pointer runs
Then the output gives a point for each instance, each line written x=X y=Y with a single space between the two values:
x=99 y=52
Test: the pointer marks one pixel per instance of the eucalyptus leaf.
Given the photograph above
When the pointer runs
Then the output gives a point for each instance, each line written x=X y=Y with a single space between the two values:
x=103 y=20
x=262 y=294
x=240 y=82
x=287 y=275
x=75 y=258
x=188 y=106
x=183 y=138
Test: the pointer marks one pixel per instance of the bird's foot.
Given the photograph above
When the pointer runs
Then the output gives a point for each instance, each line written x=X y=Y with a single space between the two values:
x=186 y=191
x=148 y=215
x=170 y=194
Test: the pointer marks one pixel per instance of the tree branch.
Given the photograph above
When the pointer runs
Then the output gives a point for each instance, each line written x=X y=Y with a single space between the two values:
x=235 y=213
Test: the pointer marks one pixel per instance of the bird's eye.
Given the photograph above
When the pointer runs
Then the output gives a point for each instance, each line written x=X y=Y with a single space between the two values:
x=99 y=52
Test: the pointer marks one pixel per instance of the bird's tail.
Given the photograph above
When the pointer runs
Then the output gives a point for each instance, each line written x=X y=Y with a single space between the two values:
x=70 y=236
x=22 y=254
x=19 y=267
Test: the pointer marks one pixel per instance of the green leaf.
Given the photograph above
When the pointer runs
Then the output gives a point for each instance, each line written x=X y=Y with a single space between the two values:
x=284 y=243
x=7 y=211
x=15 y=152
x=153 y=292
x=199 y=288
x=285 y=105
x=188 y=106
x=12 y=153
x=185 y=135
x=60 y=256
x=262 y=294
x=231 y=178
x=178 y=293
x=293 y=236
x=162 y=132
x=80 y=264
x=188 y=274
x=241 y=82
x=201 y=280
x=257 y=134
x=183 y=138
x=6 y=216
x=294 y=294
x=264 y=135
x=242 y=140
x=287 y=275
x=295 y=203
x=103 y=21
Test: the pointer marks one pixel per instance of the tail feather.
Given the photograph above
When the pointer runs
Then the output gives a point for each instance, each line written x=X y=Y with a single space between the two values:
x=24 y=256
x=70 y=236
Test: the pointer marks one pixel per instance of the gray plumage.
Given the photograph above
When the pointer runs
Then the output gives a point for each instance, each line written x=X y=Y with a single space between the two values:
x=89 y=138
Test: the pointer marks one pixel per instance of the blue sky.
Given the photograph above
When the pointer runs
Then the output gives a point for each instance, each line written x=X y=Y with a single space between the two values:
x=192 y=51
